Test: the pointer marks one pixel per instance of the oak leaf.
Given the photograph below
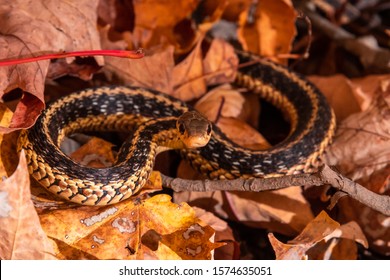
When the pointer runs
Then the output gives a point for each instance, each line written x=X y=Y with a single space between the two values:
x=45 y=20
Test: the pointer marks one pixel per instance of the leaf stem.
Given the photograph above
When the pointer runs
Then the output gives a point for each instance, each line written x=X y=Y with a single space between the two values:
x=117 y=53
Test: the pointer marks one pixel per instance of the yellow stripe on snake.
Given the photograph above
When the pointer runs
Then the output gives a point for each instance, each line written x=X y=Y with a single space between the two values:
x=164 y=122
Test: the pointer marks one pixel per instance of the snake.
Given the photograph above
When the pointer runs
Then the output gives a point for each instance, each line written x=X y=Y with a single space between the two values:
x=162 y=122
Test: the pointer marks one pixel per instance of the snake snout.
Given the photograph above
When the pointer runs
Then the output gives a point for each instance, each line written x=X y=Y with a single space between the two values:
x=194 y=129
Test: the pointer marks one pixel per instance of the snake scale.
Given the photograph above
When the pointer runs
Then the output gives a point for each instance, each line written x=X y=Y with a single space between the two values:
x=164 y=122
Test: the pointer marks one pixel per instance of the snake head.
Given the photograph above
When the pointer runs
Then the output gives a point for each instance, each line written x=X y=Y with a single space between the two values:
x=194 y=129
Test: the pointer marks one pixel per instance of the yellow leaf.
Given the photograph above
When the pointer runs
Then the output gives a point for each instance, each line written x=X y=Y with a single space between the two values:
x=126 y=230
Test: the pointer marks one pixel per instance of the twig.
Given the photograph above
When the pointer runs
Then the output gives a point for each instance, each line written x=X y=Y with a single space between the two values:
x=116 y=53
x=326 y=175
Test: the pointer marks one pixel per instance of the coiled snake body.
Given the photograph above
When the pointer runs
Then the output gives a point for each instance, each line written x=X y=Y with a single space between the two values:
x=164 y=122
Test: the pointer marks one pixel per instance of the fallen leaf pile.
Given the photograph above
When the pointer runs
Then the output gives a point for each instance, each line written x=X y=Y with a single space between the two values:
x=190 y=54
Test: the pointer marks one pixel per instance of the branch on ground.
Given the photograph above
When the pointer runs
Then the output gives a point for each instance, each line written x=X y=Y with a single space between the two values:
x=325 y=176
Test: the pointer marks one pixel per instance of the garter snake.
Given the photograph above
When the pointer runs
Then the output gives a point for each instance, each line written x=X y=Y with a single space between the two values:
x=161 y=122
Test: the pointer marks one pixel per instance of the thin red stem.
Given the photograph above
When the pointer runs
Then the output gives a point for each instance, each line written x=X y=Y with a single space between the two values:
x=117 y=53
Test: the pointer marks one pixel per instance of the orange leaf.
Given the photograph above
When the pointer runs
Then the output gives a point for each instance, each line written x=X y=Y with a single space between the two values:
x=186 y=80
x=127 y=230
x=95 y=153
x=235 y=8
x=20 y=231
x=339 y=93
x=8 y=155
x=321 y=229
x=270 y=30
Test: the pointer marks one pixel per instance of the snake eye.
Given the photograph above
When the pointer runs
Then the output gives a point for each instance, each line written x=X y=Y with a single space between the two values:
x=208 y=129
x=181 y=128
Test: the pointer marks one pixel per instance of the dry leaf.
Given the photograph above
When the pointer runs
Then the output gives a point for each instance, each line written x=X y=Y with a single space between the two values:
x=192 y=243
x=95 y=153
x=223 y=233
x=243 y=134
x=48 y=20
x=366 y=88
x=186 y=80
x=146 y=72
x=20 y=231
x=235 y=8
x=220 y=63
x=348 y=96
x=269 y=30
x=8 y=155
x=362 y=142
x=361 y=151
x=225 y=106
x=321 y=229
x=222 y=101
x=118 y=231
x=165 y=22
x=162 y=22
x=285 y=211
x=339 y=94
x=187 y=76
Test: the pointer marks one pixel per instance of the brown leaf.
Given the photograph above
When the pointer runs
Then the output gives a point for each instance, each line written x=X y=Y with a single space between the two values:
x=20 y=231
x=185 y=80
x=285 y=211
x=235 y=8
x=223 y=233
x=362 y=142
x=152 y=71
x=227 y=108
x=222 y=101
x=243 y=134
x=220 y=63
x=321 y=229
x=269 y=31
x=348 y=96
x=187 y=76
x=52 y=19
x=160 y=21
x=361 y=152
x=366 y=88
x=339 y=94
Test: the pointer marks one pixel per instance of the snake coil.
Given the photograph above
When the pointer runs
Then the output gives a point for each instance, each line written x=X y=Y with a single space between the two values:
x=122 y=108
